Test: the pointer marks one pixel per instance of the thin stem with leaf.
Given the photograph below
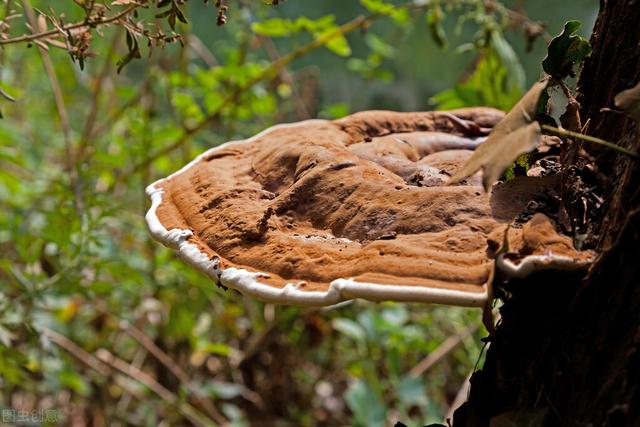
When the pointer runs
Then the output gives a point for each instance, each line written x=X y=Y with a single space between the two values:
x=591 y=139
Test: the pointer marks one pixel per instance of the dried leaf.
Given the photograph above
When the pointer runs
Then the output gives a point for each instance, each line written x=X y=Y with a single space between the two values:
x=123 y=2
x=629 y=102
x=42 y=23
x=515 y=134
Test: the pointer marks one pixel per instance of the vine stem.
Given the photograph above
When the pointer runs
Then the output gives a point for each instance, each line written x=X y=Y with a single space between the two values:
x=591 y=139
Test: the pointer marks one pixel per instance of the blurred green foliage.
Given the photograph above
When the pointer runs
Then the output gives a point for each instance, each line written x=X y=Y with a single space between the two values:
x=76 y=257
x=490 y=85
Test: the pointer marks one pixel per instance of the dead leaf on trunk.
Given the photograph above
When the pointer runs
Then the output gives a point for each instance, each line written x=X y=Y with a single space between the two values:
x=629 y=102
x=515 y=134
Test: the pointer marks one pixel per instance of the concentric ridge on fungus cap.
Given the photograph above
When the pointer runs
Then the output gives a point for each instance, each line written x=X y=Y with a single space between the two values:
x=316 y=212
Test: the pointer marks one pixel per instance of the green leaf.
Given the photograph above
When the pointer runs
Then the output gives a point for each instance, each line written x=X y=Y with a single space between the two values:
x=434 y=19
x=338 y=45
x=366 y=405
x=379 y=46
x=74 y=381
x=396 y=316
x=565 y=51
x=335 y=111
x=349 y=328
x=508 y=58
x=181 y=321
x=490 y=85
x=519 y=167
x=275 y=27
x=411 y=391
x=323 y=23
x=378 y=6
x=399 y=15
x=180 y=15
x=220 y=349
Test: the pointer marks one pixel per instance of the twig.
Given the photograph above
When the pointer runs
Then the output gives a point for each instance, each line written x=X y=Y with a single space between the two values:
x=171 y=365
x=199 y=48
x=91 y=361
x=520 y=19
x=461 y=396
x=591 y=139
x=80 y=354
x=185 y=408
x=65 y=29
x=440 y=352
x=138 y=360
x=105 y=360
x=156 y=351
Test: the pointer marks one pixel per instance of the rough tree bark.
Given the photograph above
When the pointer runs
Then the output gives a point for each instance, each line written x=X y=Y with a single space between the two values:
x=566 y=350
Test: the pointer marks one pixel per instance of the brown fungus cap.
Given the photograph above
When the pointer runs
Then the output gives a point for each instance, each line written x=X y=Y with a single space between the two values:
x=316 y=212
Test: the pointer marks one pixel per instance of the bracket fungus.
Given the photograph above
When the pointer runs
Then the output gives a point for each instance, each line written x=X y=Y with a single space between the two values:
x=317 y=212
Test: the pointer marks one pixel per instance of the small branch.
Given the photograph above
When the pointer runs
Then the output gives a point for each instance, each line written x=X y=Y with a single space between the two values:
x=142 y=377
x=520 y=19
x=80 y=354
x=105 y=360
x=440 y=352
x=171 y=365
x=461 y=396
x=138 y=360
x=65 y=29
x=152 y=348
x=592 y=139
x=200 y=49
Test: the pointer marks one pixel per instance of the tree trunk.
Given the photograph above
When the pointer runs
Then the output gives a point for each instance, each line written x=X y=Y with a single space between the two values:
x=566 y=350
